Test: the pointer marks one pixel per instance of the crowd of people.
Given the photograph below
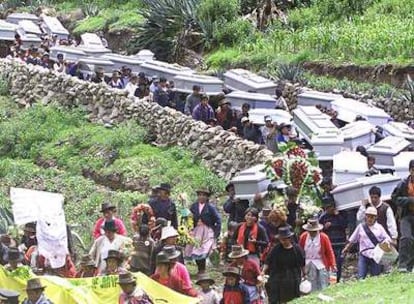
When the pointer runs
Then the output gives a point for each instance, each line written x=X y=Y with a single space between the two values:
x=266 y=251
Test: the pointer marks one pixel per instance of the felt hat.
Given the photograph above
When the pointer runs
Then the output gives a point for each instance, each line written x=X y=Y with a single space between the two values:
x=203 y=190
x=230 y=271
x=3 y=298
x=160 y=223
x=265 y=212
x=284 y=232
x=204 y=97
x=168 y=232
x=30 y=227
x=411 y=164
x=237 y=251
x=86 y=260
x=171 y=252
x=312 y=225
x=328 y=202
x=126 y=278
x=165 y=187
x=110 y=226
x=107 y=206
x=204 y=277
x=14 y=255
x=34 y=284
x=113 y=254
x=162 y=258
x=371 y=211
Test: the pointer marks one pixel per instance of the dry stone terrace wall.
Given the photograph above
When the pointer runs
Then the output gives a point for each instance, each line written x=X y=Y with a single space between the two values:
x=221 y=151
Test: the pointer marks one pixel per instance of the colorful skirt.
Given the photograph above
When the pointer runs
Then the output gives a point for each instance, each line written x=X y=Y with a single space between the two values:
x=205 y=243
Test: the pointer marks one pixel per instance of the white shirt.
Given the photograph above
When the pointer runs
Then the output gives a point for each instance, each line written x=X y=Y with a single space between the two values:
x=391 y=223
x=313 y=251
x=209 y=297
x=130 y=88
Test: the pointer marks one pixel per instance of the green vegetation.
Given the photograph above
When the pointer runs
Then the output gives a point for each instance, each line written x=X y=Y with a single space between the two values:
x=52 y=149
x=392 y=288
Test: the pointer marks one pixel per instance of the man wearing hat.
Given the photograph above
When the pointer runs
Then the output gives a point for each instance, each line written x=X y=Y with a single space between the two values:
x=115 y=81
x=207 y=294
x=285 y=133
x=9 y=296
x=142 y=86
x=113 y=262
x=234 y=292
x=234 y=207
x=334 y=225
x=225 y=115
x=192 y=100
x=163 y=206
x=99 y=76
x=35 y=295
x=87 y=267
x=269 y=134
x=320 y=258
x=207 y=228
x=368 y=235
x=131 y=294
x=14 y=258
x=109 y=241
x=108 y=214
x=203 y=111
x=29 y=236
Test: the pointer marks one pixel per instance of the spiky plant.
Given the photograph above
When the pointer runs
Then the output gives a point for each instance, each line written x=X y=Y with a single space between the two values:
x=292 y=72
x=409 y=94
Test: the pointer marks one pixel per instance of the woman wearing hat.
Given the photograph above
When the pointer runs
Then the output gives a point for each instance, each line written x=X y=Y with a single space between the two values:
x=87 y=267
x=320 y=258
x=284 y=264
x=108 y=211
x=109 y=241
x=163 y=206
x=131 y=294
x=35 y=295
x=113 y=263
x=285 y=133
x=207 y=228
x=14 y=258
x=368 y=235
x=225 y=115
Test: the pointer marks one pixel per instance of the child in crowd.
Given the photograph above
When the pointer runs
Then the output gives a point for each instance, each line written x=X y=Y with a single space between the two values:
x=207 y=294
x=234 y=292
x=227 y=242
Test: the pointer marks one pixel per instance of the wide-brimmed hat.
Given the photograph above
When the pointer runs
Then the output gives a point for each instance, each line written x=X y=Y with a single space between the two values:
x=265 y=212
x=237 y=251
x=113 y=254
x=268 y=118
x=231 y=271
x=312 y=225
x=171 y=252
x=165 y=187
x=86 y=260
x=371 y=211
x=203 y=190
x=284 y=233
x=14 y=255
x=30 y=227
x=162 y=258
x=168 y=232
x=110 y=226
x=204 y=277
x=126 y=278
x=34 y=284
x=107 y=206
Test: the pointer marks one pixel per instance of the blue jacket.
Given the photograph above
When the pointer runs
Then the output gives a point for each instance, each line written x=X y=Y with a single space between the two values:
x=165 y=209
x=209 y=216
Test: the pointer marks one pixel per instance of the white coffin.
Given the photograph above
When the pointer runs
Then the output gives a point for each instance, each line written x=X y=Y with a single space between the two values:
x=30 y=40
x=120 y=60
x=243 y=80
x=313 y=98
x=347 y=166
x=247 y=185
x=28 y=27
x=357 y=133
x=89 y=65
x=164 y=69
x=253 y=170
x=145 y=55
x=92 y=45
x=350 y=195
x=257 y=116
x=69 y=53
x=317 y=129
x=16 y=17
x=209 y=85
x=399 y=129
x=255 y=100
x=401 y=162
x=385 y=150
x=52 y=26
x=348 y=109
x=7 y=30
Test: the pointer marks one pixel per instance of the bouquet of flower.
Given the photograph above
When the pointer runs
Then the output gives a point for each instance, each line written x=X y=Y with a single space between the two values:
x=307 y=209
x=185 y=238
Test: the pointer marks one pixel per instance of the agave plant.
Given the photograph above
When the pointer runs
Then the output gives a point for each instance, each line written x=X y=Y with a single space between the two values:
x=409 y=94
x=290 y=71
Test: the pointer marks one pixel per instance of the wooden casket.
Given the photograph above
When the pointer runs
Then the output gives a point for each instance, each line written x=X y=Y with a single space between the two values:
x=120 y=60
x=243 y=80
x=247 y=184
x=255 y=100
x=385 y=150
x=317 y=129
x=28 y=27
x=209 y=85
x=347 y=166
x=88 y=66
x=7 y=30
x=144 y=55
x=357 y=133
x=72 y=54
x=16 y=17
x=399 y=129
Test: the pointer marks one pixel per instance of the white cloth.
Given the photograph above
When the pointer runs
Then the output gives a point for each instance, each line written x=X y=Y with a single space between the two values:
x=130 y=88
x=59 y=67
x=313 y=251
x=209 y=297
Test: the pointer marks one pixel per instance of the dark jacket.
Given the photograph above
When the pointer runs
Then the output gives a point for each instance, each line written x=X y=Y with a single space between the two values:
x=209 y=216
x=400 y=197
x=165 y=209
x=236 y=210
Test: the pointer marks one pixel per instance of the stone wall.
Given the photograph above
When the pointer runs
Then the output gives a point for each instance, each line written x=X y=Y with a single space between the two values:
x=221 y=151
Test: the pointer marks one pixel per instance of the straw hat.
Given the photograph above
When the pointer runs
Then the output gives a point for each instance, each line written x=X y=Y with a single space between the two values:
x=203 y=190
x=107 y=206
x=237 y=251
x=168 y=232
x=312 y=225
x=34 y=284
x=204 y=277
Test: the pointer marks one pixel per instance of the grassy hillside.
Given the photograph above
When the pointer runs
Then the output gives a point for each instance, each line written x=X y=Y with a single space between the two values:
x=46 y=148
x=387 y=289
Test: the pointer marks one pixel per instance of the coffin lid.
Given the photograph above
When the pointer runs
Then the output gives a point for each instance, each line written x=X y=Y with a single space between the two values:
x=202 y=79
x=257 y=115
x=349 y=161
x=31 y=38
x=399 y=129
x=96 y=61
x=7 y=26
x=67 y=50
x=251 y=96
x=377 y=179
x=389 y=145
x=356 y=129
x=252 y=177
x=311 y=94
x=249 y=79
x=54 y=25
x=91 y=40
x=164 y=66
x=21 y=16
x=127 y=60
x=353 y=107
x=402 y=160
x=319 y=124
x=29 y=26
x=253 y=170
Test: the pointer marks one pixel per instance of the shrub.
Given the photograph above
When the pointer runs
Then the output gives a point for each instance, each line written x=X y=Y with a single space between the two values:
x=234 y=32
x=218 y=10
